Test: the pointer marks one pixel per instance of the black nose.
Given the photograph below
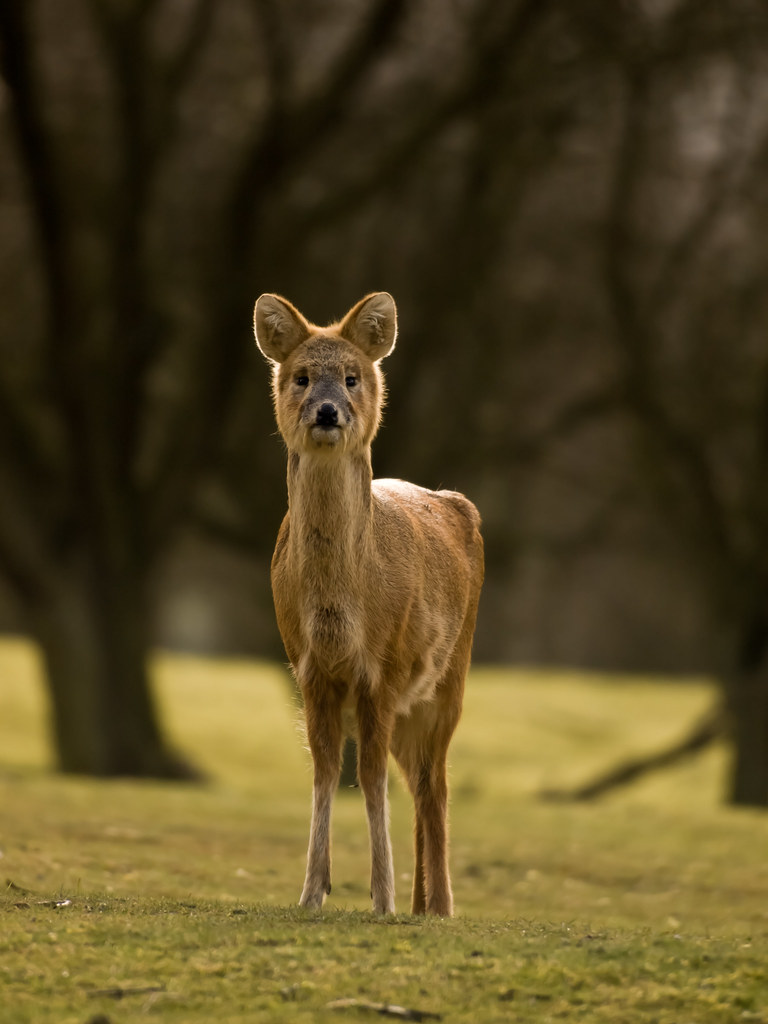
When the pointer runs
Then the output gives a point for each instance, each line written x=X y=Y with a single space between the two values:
x=327 y=415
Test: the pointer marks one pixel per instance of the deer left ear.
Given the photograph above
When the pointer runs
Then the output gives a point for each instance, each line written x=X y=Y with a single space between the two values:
x=372 y=325
x=279 y=327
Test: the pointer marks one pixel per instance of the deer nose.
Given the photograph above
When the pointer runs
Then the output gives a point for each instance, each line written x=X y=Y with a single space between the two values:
x=327 y=415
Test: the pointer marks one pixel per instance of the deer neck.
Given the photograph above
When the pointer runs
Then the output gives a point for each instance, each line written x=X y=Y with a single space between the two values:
x=329 y=500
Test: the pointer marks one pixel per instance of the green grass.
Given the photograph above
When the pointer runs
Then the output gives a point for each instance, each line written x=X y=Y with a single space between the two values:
x=133 y=901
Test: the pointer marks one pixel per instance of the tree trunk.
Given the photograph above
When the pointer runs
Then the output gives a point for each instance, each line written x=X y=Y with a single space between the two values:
x=748 y=706
x=93 y=640
x=749 y=724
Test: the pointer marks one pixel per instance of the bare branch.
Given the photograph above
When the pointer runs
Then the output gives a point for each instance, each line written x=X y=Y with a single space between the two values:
x=277 y=51
x=676 y=452
x=711 y=728
x=717 y=192
x=272 y=147
x=365 y=50
x=286 y=130
x=290 y=127
x=39 y=164
x=26 y=511
x=182 y=63
x=692 y=31
x=475 y=85
x=21 y=436
x=581 y=412
x=51 y=223
x=24 y=579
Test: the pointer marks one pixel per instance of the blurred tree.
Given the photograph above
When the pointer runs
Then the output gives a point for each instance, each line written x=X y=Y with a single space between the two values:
x=684 y=289
x=172 y=155
x=569 y=203
x=681 y=260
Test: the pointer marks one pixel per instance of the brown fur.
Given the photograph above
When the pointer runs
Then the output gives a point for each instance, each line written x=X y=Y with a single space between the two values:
x=376 y=585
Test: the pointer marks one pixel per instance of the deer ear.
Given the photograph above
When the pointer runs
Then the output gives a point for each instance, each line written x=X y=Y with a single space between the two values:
x=372 y=325
x=279 y=327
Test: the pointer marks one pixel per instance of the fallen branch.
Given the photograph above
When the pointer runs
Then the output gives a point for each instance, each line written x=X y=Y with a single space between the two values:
x=384 y=1009
x=117 y=992
x=710 y=728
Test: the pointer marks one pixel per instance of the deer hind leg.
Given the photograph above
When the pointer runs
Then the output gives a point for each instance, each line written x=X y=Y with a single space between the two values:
x=426 y=777
x=431 y=800
x=420 y=746
x=418 y=893
x=324 y=732
x=374 y=731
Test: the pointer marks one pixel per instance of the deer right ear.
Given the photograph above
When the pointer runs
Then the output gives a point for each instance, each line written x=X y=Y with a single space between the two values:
x=372 y=325
x=279 y=327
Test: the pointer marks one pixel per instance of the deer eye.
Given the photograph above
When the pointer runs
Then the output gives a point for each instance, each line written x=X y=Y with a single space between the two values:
x=302 y=381
x=351 y=381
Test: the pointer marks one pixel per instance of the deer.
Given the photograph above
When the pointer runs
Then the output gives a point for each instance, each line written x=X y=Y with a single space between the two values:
x=376 y=586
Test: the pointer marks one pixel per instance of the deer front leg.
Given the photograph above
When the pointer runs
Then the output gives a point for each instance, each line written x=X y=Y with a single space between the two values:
x=374 y=729
x=324 y=732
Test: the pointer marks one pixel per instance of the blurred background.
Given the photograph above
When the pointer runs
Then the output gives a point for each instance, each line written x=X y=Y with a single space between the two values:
x=569 y=202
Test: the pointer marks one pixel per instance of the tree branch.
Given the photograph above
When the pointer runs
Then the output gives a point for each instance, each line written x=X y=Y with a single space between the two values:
x=28 y=471
x=285 y=131
x=289 y=129
x=39 y=164
x=675 y=450
x=718 y=190
x=277 y=52
x=478 y=82
x=27 y=510
x=581 y=412
x=181 y=64
x=312 y=118
x=712 y=727
x=22 y=436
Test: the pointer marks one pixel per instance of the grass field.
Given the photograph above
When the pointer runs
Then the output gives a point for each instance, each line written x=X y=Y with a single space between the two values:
x=127 y=901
